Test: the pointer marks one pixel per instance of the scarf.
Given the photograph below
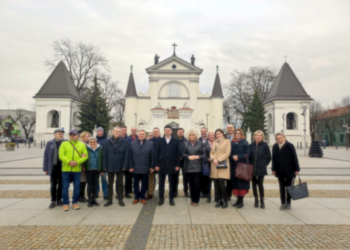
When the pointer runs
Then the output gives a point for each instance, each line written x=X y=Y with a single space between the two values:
x=115 y=141
x=218 y=141
x=281 y=145
x=236 y=140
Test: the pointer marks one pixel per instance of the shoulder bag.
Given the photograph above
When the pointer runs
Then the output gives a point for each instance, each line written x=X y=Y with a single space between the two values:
x=244 y=171
x=297 y=192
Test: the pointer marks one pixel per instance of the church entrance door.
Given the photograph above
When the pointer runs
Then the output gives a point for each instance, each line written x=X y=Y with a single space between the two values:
x=175 y=127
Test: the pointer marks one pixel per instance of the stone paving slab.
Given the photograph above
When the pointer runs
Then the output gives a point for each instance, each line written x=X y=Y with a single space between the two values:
x=178 y=214
x=249 y=237
x=319 y=216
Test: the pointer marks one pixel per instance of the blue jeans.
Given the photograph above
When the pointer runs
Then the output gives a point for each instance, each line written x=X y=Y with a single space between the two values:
x=104 y=186
x=67 y=177
x=144 y=186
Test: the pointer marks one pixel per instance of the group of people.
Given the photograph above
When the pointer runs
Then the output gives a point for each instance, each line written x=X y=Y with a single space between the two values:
x=135 y=161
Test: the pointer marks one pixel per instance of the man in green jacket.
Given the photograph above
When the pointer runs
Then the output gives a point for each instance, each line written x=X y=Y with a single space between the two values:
x=72 y=153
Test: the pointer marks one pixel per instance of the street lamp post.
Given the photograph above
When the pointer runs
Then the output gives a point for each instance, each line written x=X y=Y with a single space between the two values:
x=304 y=106
x=207 y=120
x=135 y=120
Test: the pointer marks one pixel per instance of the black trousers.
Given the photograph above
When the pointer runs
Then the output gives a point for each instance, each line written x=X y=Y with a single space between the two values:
x=206 y=185
x=284 y=182
x=194 y=180
x=176 y=181
x=162 y=178
x=258 y=181
x=56 y=183
x=229 y=188
x=128 y=182
x=92 y=179
x=221 y=188
x=119 y=183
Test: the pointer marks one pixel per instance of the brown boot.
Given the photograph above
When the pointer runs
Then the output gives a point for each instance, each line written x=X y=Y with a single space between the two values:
x=75 y=206
x=149 y=196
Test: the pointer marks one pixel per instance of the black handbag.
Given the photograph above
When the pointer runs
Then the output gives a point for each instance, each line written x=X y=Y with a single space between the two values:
x=222 y=164
x=297 y=192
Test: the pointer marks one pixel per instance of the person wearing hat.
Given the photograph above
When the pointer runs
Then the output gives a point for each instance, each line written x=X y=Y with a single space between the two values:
x=52 y=166
x=101 y=139
x=72 y=153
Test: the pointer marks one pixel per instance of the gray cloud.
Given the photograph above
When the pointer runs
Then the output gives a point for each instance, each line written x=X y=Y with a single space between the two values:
x=232 y=34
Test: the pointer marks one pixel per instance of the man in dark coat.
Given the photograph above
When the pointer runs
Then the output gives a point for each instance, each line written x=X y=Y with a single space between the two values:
x=115 y=161
x=152 y=176
x=140 y=164
x=101 y=139
x=182 y=140
x=52 y=166
x=128 y=175
x=167 y=162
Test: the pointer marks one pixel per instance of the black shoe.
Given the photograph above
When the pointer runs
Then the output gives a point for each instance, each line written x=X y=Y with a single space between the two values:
x=237 y=201
x=224 y=204
x=160 y=202
x=90 y=203
x=216 y=199
x=105 y=198
x=83 y=199
x=108 y=203
x=208 y=199
x=228 y=198
x=256 y=202
x=52 y=205
x=186 y=194
x=218 y=204
x=59 y=203
x=172 y=203
x=121 y=203
x=127 y=196
x=240 y=204
x=95 y=203
x=262 y=203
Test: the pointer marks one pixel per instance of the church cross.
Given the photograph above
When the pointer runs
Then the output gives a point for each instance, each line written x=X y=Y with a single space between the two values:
x=174 y=45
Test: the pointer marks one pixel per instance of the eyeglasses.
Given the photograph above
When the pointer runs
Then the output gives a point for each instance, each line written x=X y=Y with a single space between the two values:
x=238 y=133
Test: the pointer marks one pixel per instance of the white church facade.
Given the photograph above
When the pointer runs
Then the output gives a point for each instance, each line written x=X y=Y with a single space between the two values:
x=174 y=98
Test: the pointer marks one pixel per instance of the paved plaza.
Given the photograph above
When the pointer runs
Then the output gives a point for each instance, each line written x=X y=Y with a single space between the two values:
x=321 y=221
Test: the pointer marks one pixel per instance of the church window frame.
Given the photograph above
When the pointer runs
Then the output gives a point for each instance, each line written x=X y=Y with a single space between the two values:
x=174 y=90
x=53 y=119
x=291 y=121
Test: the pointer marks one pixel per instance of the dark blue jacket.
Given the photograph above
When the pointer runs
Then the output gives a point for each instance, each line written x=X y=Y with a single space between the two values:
x=182 y=145
x=167 y=156
x=116 y=160
x=242 y=150
x=141 y=157
x=260 y=157
x=48 y=156
x=130 y=139
x=102 y=140
x=155 y=142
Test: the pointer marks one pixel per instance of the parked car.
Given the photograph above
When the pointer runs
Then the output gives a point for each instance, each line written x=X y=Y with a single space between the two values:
x=5 y=139
x=18 y=139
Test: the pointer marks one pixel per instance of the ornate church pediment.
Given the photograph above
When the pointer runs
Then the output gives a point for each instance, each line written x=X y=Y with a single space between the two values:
x=174 y=64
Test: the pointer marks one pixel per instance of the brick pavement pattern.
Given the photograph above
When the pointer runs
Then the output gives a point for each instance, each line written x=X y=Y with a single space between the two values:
x=64 y=237
x=249 y=237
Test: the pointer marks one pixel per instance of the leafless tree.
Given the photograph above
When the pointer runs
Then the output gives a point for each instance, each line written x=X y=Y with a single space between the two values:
x=8 y=122
x=111 y=91
x=27 y=121
x=243 y=84
x=83 y=60
x=316 y=109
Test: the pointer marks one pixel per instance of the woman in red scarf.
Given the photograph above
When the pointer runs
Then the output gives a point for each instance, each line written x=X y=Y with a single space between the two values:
x=240 y=150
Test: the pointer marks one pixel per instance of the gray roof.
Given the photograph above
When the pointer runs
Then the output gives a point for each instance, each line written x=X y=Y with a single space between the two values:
x=131 y=89
x=59 y=85
x=217 y=90
x=287 y=87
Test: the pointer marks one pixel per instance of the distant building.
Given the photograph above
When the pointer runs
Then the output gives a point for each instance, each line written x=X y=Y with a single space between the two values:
x=284 y=108
x=56 y=104
x=329 y=125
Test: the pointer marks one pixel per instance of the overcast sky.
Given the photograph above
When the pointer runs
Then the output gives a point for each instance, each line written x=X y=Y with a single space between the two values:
x=315 y=36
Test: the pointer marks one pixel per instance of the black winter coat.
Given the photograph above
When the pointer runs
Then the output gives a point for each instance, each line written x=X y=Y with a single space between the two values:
x=260 y=157
x=195 y=166
x=285 y=160
x=181 y=145
x=242 y=150
x=116 y=159
x=167 y=156
x=141 y=156
x=102 y=140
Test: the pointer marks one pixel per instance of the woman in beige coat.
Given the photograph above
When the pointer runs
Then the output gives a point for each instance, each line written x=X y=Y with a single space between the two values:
x=220 y=166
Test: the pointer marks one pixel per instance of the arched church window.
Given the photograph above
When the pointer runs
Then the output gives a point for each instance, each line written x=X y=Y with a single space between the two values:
x=174 y=90
x=53 y=119
x=291 y=121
